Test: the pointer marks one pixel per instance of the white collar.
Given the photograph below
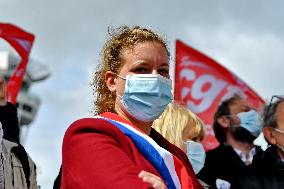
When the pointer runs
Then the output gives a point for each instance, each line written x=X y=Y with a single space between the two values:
x=247 y=159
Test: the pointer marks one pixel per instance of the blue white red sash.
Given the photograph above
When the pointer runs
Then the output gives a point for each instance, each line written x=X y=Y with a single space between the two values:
x=170 y=168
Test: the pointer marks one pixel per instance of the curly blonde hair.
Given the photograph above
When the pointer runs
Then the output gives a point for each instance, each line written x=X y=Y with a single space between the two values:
x=172 y=124
x=120 y=38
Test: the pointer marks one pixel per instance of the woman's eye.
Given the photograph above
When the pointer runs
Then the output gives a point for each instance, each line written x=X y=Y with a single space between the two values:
x=140 y=70
x=163 y=71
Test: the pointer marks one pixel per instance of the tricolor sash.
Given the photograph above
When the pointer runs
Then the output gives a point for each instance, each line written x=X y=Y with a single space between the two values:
x=170 y=167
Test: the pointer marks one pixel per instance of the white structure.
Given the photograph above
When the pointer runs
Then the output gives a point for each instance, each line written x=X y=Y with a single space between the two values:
x=27 y=103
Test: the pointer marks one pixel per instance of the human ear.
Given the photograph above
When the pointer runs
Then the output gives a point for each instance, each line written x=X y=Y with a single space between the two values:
x=269 y=134
x=223 y=121
x=110 y=81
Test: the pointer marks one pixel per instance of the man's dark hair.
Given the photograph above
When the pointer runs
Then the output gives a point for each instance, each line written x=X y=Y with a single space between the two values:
x=10 y=123
x=222 y=110
x=269 y=113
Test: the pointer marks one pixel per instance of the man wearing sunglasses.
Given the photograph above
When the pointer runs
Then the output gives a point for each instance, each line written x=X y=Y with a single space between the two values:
x=236 y=125
x=268 y=172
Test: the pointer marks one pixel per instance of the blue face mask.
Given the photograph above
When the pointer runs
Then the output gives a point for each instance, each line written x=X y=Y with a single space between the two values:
x=146 y=95
x=251 y=121
x=196 y=155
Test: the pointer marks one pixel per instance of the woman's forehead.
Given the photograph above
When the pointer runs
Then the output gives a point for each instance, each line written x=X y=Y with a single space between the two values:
x=144 y=44
x=146 y=50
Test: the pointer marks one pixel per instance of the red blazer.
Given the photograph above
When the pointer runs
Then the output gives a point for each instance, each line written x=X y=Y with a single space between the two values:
x=96 y=154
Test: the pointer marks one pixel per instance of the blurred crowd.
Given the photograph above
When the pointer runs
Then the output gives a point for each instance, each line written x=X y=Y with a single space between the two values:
x=139 y=138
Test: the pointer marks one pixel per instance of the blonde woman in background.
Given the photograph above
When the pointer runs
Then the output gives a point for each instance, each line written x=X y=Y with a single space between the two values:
x=178 y=124
x=184 y=129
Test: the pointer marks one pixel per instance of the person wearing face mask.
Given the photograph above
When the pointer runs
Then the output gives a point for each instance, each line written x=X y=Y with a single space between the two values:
x=185 y=130
x=117 y=148
x=236 y=125
x=268 y=171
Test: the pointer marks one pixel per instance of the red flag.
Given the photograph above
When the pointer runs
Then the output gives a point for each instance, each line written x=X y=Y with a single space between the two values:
x=22 y=42
x=201 y=83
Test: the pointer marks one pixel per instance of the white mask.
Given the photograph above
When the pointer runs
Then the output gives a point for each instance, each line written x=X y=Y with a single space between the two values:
x=196 y=155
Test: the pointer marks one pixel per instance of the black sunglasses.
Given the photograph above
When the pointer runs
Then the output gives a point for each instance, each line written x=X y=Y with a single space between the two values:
x=273 y=100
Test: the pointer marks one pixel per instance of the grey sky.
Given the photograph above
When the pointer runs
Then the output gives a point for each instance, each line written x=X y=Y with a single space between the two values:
x=244 y=36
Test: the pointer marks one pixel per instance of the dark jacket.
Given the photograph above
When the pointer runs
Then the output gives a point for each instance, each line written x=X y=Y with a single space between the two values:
x=265 y=173
x=10 y=124
x=223 y=163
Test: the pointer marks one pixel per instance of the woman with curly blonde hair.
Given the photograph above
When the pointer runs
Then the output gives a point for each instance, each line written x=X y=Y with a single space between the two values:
x=117 y=148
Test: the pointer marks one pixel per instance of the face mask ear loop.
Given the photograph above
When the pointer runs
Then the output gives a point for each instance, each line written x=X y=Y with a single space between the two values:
x=229 y=117
x=278 y=130
x=118 y=95
x=279 y=146
x=116 y=91
x=120 y=77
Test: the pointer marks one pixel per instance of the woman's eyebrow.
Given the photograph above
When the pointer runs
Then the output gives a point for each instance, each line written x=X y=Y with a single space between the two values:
x=140 y=63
